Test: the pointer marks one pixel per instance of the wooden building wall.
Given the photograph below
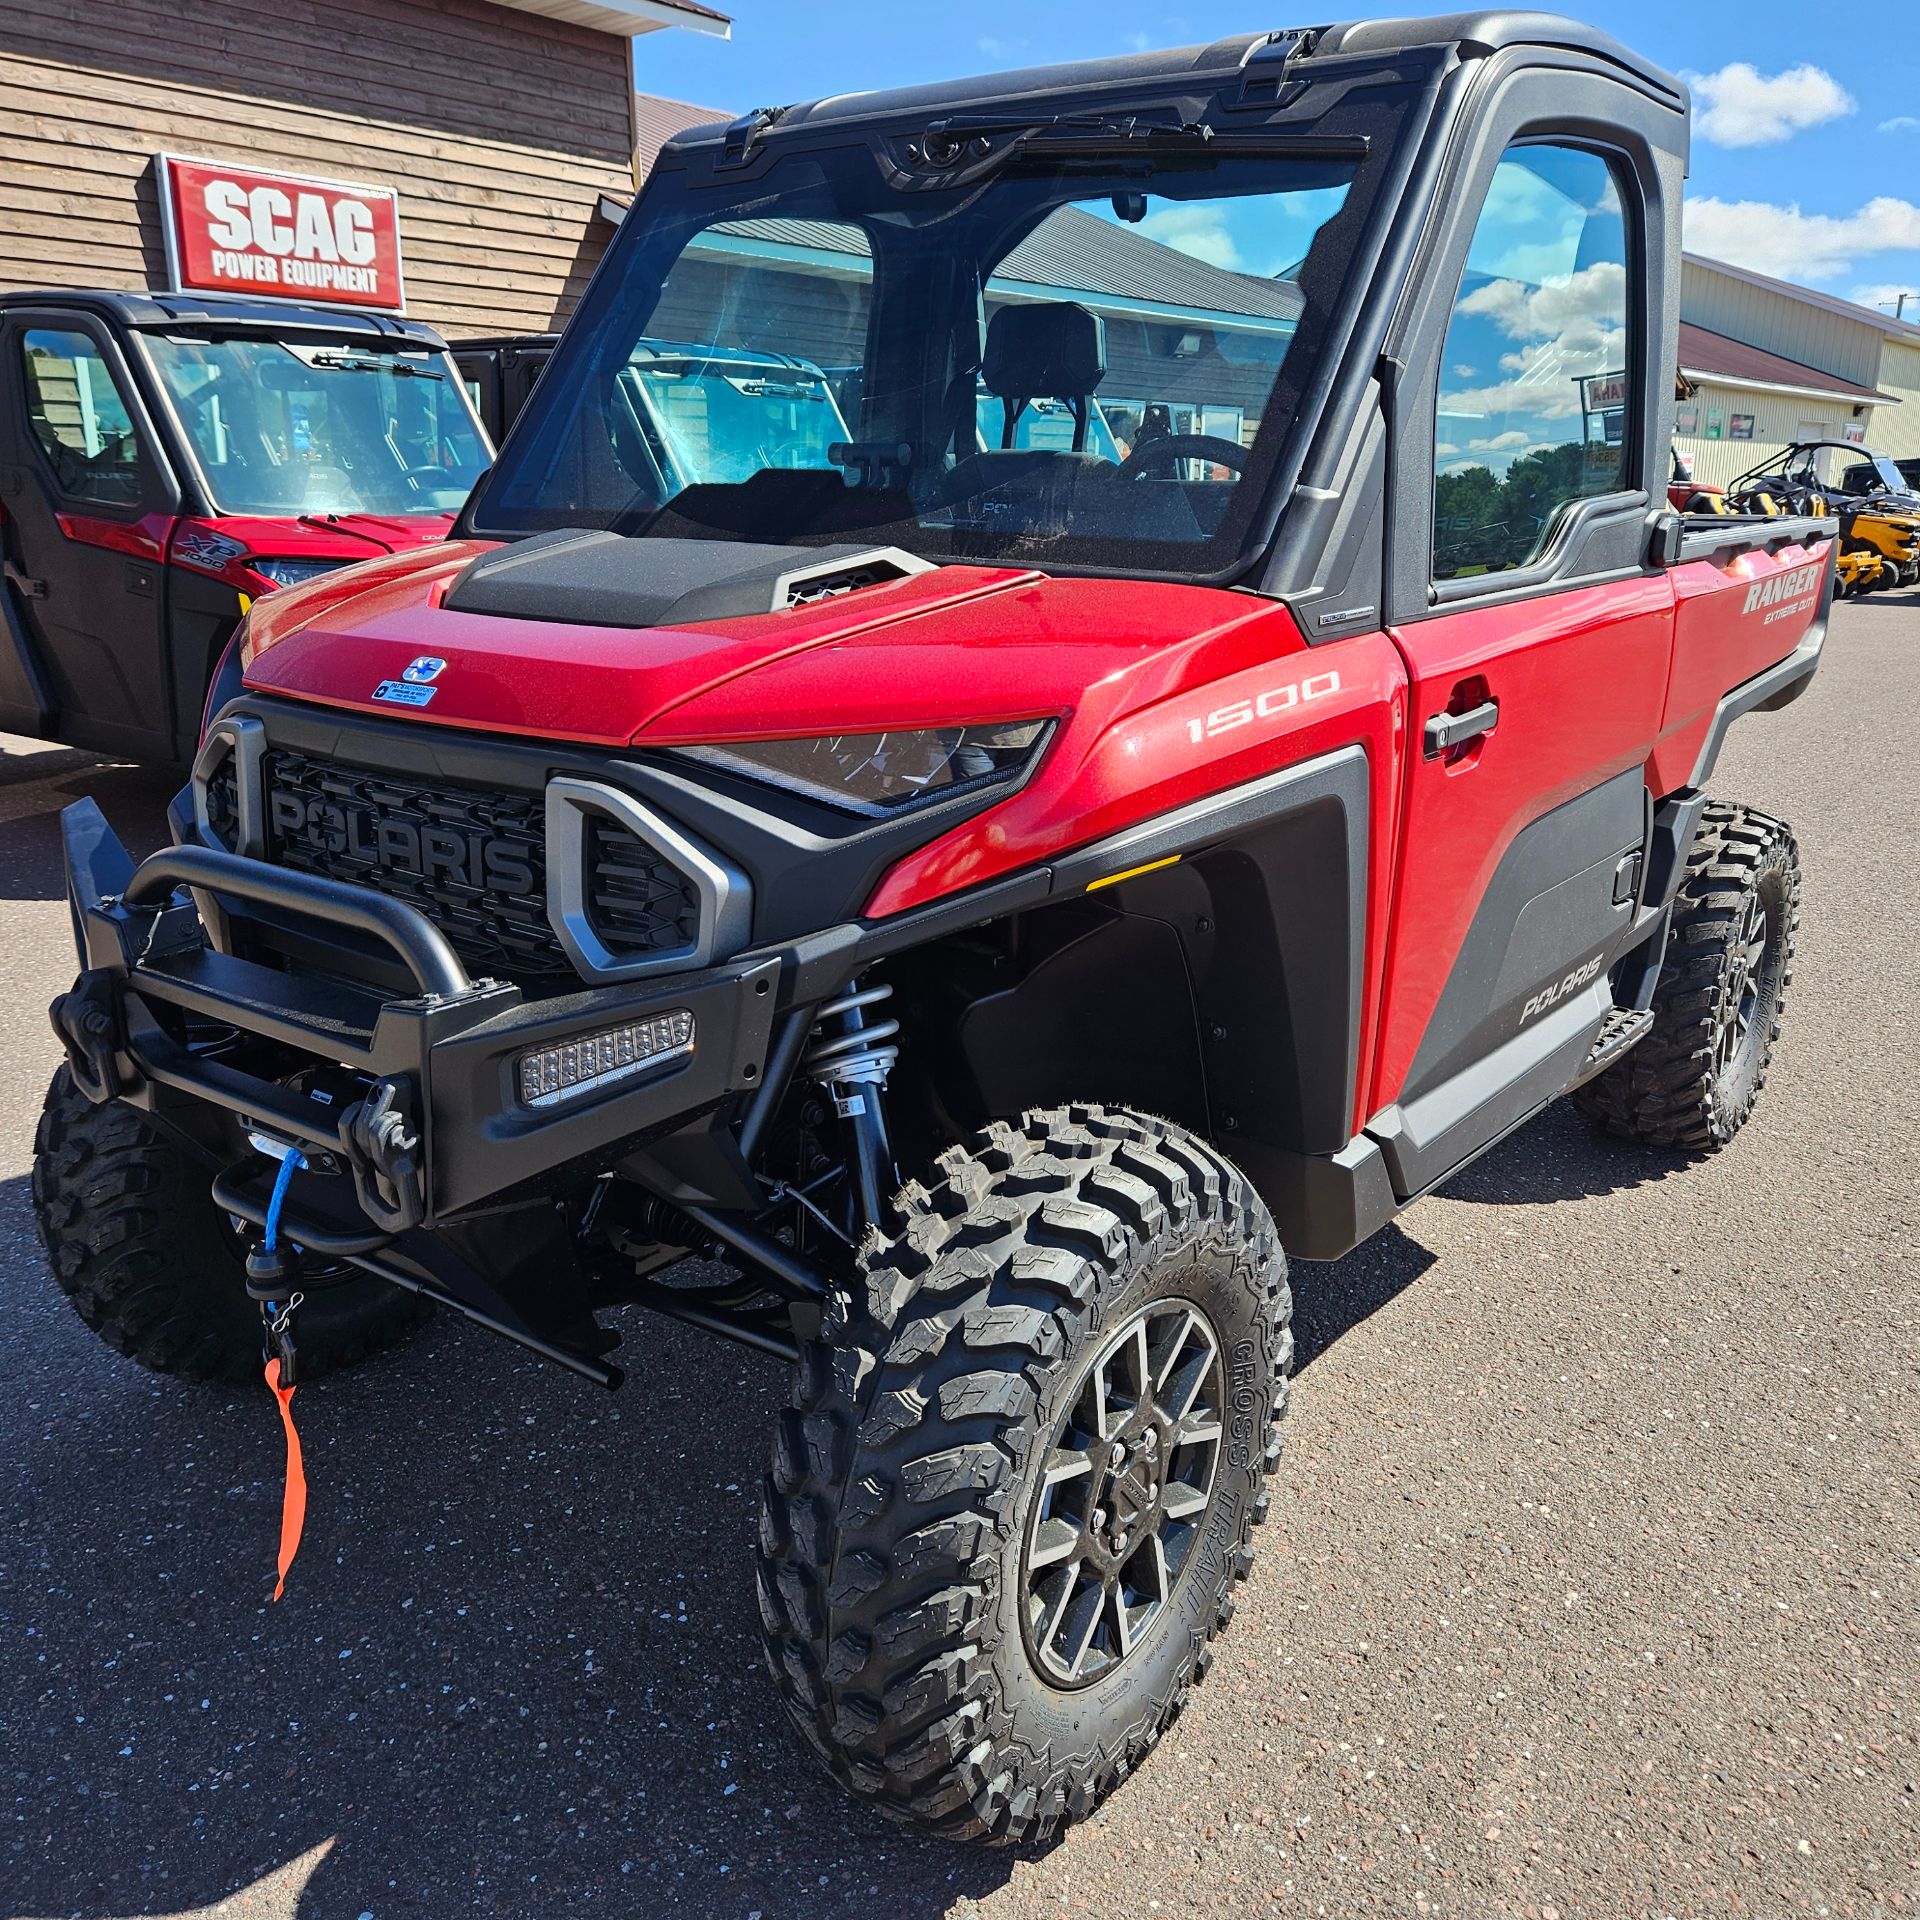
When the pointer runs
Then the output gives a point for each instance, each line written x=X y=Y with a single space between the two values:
x=499 y=129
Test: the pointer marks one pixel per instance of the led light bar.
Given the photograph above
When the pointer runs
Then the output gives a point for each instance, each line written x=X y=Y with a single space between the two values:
x=552 y=1074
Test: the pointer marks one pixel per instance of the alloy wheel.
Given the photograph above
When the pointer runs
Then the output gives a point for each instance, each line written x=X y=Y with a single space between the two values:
x=1125 y=1491
x=1741 y=1006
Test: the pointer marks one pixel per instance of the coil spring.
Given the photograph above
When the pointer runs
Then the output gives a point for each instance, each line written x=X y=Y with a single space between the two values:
x=859 y=1053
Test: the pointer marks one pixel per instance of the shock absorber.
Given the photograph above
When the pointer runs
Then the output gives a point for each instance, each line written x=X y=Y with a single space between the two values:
x=851 y=1055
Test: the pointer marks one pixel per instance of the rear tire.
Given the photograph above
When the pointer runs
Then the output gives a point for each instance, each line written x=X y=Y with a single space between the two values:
x=1692 y=1082
x=978 y=1617
x=153 y=1267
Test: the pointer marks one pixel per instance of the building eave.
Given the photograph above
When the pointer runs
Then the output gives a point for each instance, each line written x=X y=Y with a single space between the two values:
x=628 y=19
x=1850 y=396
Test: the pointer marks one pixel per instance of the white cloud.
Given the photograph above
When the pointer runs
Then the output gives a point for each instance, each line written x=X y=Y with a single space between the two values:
x=1568 y=310
x=1575 y=325
x=1444 y=447
x=1197 y=230
x=1742 y=107
x=1887 y=295
x=1795 y=245
x=1140 y=42
x=1000 y=49
x=1900 y=123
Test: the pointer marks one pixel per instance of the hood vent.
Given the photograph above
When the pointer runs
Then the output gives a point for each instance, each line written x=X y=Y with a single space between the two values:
x=612 y=580
x=828 y=579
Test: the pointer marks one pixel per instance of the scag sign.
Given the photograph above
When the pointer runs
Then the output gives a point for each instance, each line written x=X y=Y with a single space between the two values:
x=238 y=230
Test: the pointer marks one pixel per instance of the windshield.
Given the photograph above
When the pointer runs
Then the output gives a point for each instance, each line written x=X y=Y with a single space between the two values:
x=1873 y=473
x=1076 y=361
x=706 y=414
x=279 y=428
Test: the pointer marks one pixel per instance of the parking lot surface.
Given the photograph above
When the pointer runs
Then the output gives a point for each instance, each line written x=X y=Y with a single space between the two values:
x=1592 y=1588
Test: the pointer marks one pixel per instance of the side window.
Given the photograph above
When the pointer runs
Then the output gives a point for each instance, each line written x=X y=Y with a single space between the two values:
x=79 y=418
x=1534 y=408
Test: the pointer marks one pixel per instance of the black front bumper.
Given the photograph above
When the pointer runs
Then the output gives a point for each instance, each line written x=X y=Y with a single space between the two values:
x=432 y=1123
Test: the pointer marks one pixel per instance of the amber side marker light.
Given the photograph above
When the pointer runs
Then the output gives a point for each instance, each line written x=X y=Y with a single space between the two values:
x=1132 y=873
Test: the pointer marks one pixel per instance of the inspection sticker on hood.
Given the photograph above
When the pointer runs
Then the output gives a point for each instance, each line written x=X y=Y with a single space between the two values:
x=398 y=693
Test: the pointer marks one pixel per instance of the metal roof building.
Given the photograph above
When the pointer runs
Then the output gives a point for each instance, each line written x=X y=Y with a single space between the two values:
x=1765 y=362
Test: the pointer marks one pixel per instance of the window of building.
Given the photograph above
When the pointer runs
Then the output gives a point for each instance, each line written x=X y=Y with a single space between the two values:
x=79 y=418
x=1535 y=405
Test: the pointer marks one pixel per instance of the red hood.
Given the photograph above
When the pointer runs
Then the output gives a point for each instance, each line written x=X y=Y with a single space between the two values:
x=381 y=532
x=333 y=536
x=979 y=643
x=337 y=640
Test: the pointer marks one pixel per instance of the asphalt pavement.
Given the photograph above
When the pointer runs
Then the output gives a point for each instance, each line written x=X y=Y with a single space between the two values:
x=1592 y=1587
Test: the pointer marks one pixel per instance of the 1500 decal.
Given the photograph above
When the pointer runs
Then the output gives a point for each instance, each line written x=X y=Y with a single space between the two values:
x=1269 y=705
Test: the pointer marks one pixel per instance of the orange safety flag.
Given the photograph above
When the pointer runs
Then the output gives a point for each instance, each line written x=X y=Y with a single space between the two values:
x=293 y=1507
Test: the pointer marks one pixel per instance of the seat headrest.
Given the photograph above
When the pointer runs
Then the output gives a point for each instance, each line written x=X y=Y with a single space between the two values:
x=1055 y=350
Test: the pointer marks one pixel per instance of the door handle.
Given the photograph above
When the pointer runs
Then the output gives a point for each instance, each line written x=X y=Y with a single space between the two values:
x=25 y=588
x=1446 y=731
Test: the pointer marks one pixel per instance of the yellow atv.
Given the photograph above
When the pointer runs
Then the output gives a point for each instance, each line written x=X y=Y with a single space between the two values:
x=1892 y=539
x=1879 y=512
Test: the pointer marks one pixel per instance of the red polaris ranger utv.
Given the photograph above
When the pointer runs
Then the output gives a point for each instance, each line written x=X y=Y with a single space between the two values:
x=166 y=458
x=996 y=899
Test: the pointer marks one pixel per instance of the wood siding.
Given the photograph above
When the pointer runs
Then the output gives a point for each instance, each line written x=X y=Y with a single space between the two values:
x=499 y=130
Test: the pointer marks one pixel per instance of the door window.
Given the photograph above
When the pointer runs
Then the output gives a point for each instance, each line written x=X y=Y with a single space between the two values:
x=79 y=418
x=1536 y=400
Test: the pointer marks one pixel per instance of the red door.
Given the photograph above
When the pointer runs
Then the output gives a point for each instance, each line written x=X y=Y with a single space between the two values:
x=1511 y=838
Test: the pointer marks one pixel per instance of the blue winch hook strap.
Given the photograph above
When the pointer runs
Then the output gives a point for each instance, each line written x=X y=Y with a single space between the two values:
x=293 y=1160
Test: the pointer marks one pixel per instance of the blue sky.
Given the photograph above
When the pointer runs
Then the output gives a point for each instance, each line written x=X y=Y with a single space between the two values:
x=1806 y=159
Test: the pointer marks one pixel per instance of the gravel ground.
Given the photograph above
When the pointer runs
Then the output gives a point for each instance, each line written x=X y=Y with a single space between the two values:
x=1592 y=1588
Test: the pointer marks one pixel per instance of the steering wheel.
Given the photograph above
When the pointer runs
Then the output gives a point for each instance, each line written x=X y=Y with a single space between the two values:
x=1183 y=446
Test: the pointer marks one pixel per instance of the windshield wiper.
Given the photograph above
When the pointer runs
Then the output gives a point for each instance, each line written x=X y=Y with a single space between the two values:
x=966 y=147
x=378 y=363
x=976 y=135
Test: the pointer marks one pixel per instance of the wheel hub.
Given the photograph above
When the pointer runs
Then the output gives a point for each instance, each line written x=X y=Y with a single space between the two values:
x=1127 y=1486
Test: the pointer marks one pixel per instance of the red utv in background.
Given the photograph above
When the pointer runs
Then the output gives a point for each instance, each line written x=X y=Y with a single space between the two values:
x=1685 y=494
x=165 y=459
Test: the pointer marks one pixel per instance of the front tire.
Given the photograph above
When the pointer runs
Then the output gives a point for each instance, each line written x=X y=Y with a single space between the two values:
x=153 y=1266
x=1692 y=1082
x=1020 y=1473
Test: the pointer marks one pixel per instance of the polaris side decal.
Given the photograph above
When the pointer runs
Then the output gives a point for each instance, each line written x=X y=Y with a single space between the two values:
x=1783 y=593
x=1263 y=706
x=1553 y=995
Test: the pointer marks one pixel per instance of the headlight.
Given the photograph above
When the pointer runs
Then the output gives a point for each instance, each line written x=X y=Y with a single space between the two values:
x=552 y=1074
x=294 y=573
x=878 y=773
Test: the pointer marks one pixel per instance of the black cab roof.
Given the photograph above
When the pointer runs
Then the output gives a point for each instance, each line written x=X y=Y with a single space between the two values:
x=161 y=310
x=1467 y=34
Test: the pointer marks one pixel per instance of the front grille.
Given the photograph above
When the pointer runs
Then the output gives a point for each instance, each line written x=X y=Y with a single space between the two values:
x=637 y=901
x=473 y=862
